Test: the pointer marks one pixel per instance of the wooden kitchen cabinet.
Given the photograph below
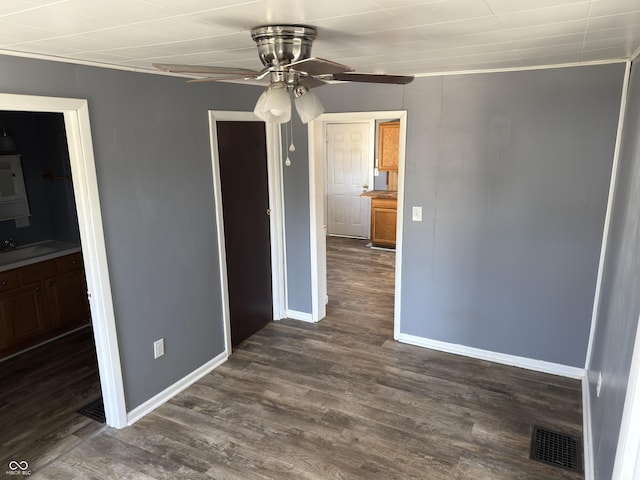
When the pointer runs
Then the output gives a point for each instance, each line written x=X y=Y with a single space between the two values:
x=383 y=221
x=67 y=300
x=388 y=146
x=40 y=301
x=22 y=317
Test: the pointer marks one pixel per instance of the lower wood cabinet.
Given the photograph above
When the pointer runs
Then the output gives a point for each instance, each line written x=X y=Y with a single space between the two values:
x=22 y=317
x=41 y=301
x=383 y=221
x=67 y=300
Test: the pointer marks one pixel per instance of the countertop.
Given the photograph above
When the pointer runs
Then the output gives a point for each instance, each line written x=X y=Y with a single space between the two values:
x=35 y=252
x=380 y=194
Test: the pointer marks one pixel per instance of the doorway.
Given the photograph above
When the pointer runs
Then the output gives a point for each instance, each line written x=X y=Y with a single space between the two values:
x=48 y=298
x=221 y=123
x=242 y=155
x=87 y=201
x=317 y=183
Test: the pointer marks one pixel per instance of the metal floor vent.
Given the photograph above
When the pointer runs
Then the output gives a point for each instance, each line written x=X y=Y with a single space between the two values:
x=94 y=410
x=555 y=448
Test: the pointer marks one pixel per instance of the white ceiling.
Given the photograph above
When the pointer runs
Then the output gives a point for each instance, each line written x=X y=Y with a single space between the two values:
x=377 y=36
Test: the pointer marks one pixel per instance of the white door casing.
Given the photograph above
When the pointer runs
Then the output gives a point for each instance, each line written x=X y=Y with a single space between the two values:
x=318 y=248
x=276 y=215
x=349 y=166
x=87 y=200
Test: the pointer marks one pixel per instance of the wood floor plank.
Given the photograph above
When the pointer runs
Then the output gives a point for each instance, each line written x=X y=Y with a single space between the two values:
x=335 y=400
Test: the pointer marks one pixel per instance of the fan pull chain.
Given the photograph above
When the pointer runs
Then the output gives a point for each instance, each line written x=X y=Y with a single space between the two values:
x=292 y=147
x=287 y=162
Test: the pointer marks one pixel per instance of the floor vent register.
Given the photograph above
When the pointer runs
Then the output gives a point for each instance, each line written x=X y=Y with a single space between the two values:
x=94 y=410
x=555 y=448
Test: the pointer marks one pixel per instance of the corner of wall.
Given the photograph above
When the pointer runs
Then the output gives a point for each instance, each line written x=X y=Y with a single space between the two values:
x=587 y=436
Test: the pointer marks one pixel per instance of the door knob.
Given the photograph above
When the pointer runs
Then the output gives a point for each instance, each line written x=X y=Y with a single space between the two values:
x=268 y=211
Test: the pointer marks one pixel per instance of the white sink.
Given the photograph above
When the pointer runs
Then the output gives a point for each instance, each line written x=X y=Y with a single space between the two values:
x=35 y=252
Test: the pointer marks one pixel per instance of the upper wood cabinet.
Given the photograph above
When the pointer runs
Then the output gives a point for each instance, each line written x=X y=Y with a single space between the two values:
x=388 y=142
x=13 y=194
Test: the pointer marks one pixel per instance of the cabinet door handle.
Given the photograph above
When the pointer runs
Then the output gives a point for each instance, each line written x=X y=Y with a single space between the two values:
x=50 y=284
x=4 y=283
x=37 y=289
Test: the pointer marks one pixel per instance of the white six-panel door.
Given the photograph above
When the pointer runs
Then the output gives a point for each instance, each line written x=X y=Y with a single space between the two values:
x=349 y=171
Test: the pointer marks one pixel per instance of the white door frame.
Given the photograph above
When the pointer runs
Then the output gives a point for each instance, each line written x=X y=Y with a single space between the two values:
x=87 y=200
x=370 y=160
x=318 y=247
x=627 y=461
x=276 y=217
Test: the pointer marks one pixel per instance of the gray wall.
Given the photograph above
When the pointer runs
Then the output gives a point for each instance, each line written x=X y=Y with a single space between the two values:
x=296 y=212
x=151 y=145
x=512 y=171
x=617 y=319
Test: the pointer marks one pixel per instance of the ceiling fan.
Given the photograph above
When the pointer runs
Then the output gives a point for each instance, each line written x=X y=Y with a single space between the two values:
x=285 y=52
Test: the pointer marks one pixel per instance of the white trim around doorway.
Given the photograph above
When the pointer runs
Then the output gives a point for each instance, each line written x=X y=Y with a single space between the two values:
x=318 y=247
x=87 y=200
x=276 y=218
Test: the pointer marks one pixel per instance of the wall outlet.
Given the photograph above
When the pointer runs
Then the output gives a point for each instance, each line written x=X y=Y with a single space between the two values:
x=599 y=384
x=158 y=348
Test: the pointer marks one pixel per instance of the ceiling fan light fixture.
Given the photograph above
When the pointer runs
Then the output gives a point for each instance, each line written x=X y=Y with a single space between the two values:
x=308 y=104
x=274 y=105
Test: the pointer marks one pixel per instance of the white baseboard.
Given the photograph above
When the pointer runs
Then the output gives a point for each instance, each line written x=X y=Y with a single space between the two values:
x=302 y=316
x=168 y=393
x=587 y=435
x=503 y=358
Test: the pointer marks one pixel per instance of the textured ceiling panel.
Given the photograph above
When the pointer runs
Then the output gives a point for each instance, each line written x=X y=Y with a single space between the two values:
x=381 y=36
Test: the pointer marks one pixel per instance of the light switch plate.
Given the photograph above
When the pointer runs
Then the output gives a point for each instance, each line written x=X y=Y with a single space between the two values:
x=416 y=214
x=158 y=348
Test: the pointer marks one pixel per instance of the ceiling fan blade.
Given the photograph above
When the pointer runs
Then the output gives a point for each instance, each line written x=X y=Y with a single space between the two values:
x=204 y=69
x=219 y=79
x=372 y=78
x=223 y=78
x=318 y=66
x=311 y=82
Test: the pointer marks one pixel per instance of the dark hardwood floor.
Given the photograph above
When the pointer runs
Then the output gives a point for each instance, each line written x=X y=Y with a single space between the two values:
x=340 y=400
x=41 y=390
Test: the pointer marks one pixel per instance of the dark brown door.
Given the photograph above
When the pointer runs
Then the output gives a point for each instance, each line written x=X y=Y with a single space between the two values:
x=242 y=150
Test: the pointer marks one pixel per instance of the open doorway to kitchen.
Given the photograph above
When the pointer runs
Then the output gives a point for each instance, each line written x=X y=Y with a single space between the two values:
x=57 y=343
x=340 y=258
x=47 y=350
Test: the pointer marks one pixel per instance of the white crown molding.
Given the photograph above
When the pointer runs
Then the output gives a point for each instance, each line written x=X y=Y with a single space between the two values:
x=523 y=69
x=151 y=71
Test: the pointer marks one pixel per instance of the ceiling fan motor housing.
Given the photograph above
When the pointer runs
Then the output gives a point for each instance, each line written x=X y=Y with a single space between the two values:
x=282 y=44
